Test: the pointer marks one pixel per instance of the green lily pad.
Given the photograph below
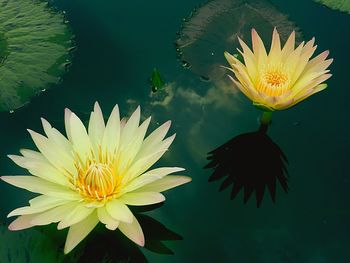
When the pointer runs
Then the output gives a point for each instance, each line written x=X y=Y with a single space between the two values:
x=34 y=50
x=341 y=5
x=31 y=246
x=215 y=27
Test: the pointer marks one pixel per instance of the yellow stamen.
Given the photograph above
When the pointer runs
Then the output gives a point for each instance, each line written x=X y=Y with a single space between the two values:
x=273 y=81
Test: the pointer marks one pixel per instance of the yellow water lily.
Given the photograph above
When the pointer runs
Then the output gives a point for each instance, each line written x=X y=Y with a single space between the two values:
x=93 y=175
x=283 y=77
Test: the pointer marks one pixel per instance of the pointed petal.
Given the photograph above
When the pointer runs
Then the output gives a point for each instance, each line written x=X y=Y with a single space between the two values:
x=142 y=198
x=38 y=204
x=111 y=135
x=130 y=128
x=79 y=231
x=22 y=222
x=79 y=138
x=259 y=48
x=55 y=155
x=150 y=176
x=153 y=140
x=133 y=231
x=288 y=46
x=164 y=184
x=119 y=211
x=275 y=53
x=96 y=127
x=53 y=215
x=38 y=185
x=107 y=219
x=76 y=215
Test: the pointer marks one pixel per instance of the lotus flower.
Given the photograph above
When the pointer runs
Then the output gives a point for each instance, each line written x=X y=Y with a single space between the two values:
x=93 y=175
x=282 y=78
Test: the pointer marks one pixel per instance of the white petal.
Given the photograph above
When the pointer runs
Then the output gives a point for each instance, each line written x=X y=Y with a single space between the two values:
x=153 y=139
x=41 y=168
x=32 y=154
x=55 y=155
x=79 y=231
x=53 y=215
x=150 y=176
x=22 y=222
x=111 y=135
x=55 y=136
x=38 y=185
x=130 y=129
x=142 y=198
x=76 y=215
x=133 y=231
x=119 y=211
x=38 y=204
x=80 y=139
x=67 y=115
x=96 y=127
x=164 y=184
x=130 y=151
x=107 y=219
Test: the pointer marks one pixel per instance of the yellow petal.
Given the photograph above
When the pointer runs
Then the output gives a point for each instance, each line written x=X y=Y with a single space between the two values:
x=259 y=48
x=275 y=53
x=288 y=46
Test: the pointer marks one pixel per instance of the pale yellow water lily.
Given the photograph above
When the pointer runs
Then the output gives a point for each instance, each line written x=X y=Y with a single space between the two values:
x=283 y=77
x=93 y=175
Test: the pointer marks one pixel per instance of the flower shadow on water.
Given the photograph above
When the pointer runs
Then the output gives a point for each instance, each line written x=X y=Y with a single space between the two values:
x=45 y=244
x=250 y=162
x=106 y=246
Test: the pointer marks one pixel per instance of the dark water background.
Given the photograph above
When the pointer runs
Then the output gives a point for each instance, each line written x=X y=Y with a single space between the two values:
x=119 y=43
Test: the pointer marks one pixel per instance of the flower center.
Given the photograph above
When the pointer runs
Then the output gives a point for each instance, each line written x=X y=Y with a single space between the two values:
x=275 y=78
x=97 y=181
x=273 y=81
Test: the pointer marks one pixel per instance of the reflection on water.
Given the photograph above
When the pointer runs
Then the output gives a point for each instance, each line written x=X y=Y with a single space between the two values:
x=250 y=162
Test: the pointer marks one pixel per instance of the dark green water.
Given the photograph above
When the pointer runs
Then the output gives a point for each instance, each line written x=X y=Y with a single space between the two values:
x=119 y=44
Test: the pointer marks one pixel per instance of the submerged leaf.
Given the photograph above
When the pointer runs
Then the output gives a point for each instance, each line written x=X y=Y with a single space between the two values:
x=34 y=50
x=341 y=5
x=216 y=26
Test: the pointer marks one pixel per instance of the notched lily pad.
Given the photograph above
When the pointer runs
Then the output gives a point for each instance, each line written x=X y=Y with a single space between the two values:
x=35 y=44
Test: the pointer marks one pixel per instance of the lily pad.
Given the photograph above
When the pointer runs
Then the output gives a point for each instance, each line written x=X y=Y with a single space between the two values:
x=35 y=41
x=31 y=246
x=341 y=5
x=214 y=27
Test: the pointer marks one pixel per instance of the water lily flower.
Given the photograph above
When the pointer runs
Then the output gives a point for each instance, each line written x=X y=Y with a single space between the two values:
x=283 y=77
x=93 y=175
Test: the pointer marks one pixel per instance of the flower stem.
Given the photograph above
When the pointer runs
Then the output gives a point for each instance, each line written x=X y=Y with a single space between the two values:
x=266 y=117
